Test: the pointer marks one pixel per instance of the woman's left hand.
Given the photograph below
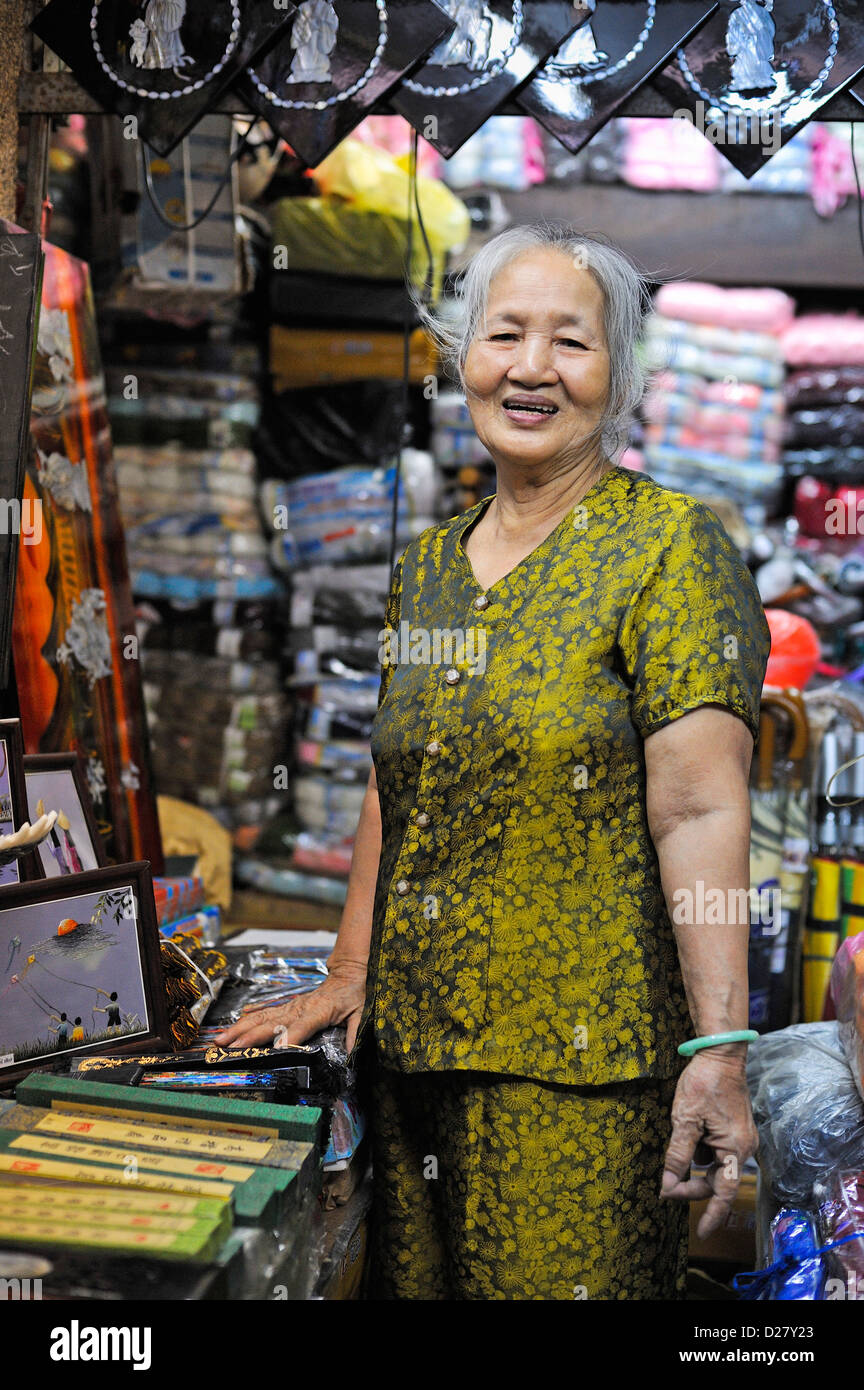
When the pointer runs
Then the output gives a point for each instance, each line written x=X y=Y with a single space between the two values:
x=711 y=1109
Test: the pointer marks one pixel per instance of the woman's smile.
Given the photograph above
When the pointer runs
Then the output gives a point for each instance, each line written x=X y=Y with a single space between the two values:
x=529 y=410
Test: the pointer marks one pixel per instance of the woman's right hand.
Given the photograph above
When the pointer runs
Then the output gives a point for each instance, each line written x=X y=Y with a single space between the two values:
x=339 y=999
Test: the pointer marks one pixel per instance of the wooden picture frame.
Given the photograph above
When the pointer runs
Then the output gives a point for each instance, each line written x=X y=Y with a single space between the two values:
x=21 y=265
x=43 y=773
x=86 y=946
x=73 y=619
x=13 y=804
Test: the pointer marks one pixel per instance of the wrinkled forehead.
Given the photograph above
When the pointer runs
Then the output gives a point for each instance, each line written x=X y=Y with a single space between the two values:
x=548 y=287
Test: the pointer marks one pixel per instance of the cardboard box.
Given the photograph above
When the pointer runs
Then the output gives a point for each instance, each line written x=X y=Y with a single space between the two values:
x=735 y=1241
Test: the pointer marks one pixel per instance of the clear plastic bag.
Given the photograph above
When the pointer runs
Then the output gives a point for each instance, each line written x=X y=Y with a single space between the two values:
x=847 y=991
x=842 y=1216
x=807 y=1109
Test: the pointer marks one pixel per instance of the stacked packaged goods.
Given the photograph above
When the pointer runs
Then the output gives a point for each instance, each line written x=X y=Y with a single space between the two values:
x=714 y=412
x=824 y=453
x=466 y=471
x=218 y=713
x=332 y=533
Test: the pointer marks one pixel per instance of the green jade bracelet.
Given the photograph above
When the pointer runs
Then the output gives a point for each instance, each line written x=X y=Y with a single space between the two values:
x=745 y=1035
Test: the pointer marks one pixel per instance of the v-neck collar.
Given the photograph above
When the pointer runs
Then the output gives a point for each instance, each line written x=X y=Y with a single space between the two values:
x=534 y=557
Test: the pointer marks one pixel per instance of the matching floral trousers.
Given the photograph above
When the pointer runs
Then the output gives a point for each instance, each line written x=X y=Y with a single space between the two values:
x=495 y=1187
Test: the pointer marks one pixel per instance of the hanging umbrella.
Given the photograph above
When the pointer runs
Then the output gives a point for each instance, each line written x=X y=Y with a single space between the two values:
x=795 y=863
x=767 y=816
x=822 y=934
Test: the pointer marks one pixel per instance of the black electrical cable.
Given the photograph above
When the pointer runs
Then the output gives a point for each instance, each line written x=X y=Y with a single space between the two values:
x=430 y=260
x=426 y=296
x=406 y=353
x=196 y=222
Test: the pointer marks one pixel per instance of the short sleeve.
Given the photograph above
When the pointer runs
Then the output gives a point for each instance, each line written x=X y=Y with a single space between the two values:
x=391 y=625
x=695 y=632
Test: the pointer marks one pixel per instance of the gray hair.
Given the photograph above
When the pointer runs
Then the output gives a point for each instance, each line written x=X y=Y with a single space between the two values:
x=626 y=300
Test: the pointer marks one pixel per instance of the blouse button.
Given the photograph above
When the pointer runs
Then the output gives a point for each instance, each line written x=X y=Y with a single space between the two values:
x=402 y=887
x=452 y=677
x=433 y=748
x=422 y=820
x=481 y=602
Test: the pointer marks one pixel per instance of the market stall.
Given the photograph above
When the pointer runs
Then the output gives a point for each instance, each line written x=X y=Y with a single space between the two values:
x=225 y=418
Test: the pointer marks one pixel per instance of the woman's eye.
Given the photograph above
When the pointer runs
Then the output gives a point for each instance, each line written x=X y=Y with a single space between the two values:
x=571 y=342
x=502 y=337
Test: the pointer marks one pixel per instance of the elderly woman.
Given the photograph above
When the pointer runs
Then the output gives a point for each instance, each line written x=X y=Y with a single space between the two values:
x=524 y=945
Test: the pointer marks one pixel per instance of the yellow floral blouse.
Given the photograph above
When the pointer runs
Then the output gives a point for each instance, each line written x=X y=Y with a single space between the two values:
x=519 y=922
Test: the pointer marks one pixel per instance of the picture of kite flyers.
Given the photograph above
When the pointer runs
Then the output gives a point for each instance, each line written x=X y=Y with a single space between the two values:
x=72 y=975
x=9 y=873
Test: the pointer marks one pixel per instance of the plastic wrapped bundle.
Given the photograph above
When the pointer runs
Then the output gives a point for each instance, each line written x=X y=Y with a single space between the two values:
x=346 y=514
x=833 y=425
x=796 y=1271
x=837 y=340
x=841 y=1213
x=751 y=310
x=807 y=1109
x=754 y=487
x=847 y=992
x=322 y=428
x=659 y=153
x=352 y=595
x=714 y=413
x=826 y=386
x=832 y=465
x=505 y=153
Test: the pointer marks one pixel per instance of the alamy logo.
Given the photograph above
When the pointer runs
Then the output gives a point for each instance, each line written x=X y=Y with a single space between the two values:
x=423 y=646
x=20 y=1290
x=77 y=1343
x=22 y=519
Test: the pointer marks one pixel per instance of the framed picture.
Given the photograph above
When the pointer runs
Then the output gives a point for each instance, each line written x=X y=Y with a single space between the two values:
x=73 y=620
x=80 y=969
x=21 y=263
x=56 y=782
x=13 y=801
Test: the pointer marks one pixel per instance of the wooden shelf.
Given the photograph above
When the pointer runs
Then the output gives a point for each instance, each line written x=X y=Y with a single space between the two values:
x=728 y=238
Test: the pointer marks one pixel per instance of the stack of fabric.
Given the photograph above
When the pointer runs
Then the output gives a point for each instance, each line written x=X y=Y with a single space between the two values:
x=209 y=599
x=659 y=153
x=466 y=471
x=192 y=524
x=506 y=152
x=218 y=729
x=824 y=454
x=337 y=613
x=714 y=412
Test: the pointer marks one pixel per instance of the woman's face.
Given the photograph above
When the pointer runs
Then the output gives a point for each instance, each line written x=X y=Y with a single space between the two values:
x=537 y=374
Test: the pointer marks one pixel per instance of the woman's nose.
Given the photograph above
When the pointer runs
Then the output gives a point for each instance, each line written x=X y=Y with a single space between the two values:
x=532 y=361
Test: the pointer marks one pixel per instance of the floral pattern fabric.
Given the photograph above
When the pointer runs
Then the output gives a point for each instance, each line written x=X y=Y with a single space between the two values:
x=490 y=1187
x=519 y=922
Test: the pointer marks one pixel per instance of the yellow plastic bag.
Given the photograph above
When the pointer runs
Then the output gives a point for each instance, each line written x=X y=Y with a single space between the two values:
x=372 y=180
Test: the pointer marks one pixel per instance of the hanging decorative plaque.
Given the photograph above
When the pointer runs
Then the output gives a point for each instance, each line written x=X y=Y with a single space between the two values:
x=319 y=81
x=617 y=47
x=759 y=71
x=495 y=46
x=163 y=63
